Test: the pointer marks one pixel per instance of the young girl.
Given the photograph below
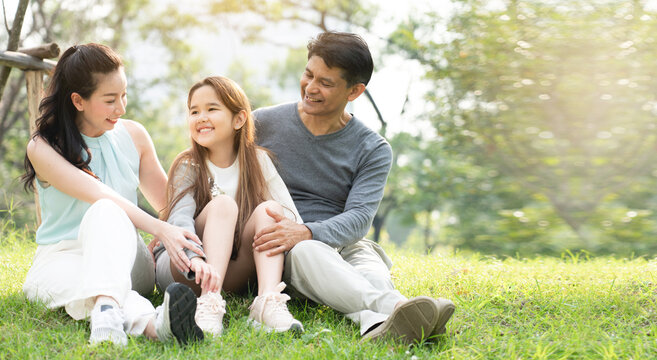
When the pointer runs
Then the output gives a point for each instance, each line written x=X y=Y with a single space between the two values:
x=87 y=164
x=226 y=189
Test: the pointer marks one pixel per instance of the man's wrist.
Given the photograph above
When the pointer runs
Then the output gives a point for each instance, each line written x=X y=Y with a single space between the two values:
x=309 y=233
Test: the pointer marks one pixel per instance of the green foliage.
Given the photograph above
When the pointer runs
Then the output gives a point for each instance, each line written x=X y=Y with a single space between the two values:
x=558 y=100
x=325 y=14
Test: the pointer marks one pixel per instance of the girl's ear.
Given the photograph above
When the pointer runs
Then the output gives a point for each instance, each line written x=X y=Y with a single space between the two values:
x=239 y=120
x=76 y=99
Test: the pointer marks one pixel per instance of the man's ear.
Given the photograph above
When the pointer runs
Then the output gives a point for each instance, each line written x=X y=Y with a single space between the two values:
x=76 y=99
x=239 y=120
x=355 y=92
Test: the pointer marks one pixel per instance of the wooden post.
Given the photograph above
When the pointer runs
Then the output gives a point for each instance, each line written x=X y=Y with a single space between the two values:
x=33 y=61
x=34 y=82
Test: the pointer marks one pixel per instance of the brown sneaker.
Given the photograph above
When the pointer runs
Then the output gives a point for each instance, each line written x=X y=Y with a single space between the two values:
x=445 y=309
x=412 y=321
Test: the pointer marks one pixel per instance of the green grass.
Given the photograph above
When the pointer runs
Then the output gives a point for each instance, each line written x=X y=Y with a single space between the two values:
x=543 y=308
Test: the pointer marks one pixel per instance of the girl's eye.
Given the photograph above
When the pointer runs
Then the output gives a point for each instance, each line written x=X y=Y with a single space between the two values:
x=194 y=112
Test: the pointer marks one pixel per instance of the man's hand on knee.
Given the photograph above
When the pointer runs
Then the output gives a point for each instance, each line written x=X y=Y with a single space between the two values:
x=281 y=236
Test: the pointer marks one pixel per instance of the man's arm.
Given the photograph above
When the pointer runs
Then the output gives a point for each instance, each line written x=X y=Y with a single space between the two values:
x=343 y=229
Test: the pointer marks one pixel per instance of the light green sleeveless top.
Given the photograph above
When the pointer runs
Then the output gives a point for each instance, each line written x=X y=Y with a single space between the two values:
x=115 y=160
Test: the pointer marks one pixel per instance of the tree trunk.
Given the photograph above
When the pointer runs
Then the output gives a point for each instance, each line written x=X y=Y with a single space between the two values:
x=34 y=82
x=14 y=38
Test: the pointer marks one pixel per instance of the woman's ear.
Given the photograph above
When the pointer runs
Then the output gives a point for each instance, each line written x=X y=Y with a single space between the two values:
x=76 y=99
x=239 y=120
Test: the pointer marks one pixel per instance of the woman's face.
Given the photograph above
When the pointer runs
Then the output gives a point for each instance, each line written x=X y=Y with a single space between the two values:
x=211 y=123
x=102 y=110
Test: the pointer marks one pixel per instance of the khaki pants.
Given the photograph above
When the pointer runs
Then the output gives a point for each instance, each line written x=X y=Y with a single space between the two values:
x=108 y=258
x=354 y=280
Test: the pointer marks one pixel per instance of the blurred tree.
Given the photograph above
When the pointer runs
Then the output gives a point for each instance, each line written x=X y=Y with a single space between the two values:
x=558 y=98
x=133 y=28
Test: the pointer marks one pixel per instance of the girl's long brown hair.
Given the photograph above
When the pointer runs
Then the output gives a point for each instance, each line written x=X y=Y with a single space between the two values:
x=251 y=189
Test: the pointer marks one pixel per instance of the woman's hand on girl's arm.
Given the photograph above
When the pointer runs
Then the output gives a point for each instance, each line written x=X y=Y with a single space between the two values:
x=176 y=240
x=205 y=275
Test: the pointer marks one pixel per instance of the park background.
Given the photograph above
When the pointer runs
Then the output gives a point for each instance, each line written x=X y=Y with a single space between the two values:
x=518 y=128
x=523 y=183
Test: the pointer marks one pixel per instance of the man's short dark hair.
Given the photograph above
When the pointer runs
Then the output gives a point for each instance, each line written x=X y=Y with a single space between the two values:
x=346 y=51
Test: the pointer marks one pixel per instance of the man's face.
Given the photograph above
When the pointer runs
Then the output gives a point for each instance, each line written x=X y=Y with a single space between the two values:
x=323 y=90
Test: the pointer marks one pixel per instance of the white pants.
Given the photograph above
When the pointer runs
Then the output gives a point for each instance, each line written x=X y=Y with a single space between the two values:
x=108 y=258
x=354 y=281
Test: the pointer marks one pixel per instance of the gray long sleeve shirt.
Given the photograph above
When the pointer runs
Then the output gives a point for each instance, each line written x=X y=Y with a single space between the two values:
x=336 y=180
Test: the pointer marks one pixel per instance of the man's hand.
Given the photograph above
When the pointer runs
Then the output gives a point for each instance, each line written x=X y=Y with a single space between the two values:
x=281 y=236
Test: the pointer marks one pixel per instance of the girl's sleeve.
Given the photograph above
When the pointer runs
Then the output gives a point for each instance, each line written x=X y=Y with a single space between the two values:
x=182 y=214
x=277 y=188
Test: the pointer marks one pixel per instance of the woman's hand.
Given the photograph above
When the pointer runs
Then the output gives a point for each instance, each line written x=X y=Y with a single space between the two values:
x=176 y=240
x=206 y=275
x=151 y=247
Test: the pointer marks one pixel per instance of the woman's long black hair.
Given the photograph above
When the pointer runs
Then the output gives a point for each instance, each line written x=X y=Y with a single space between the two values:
x=74 y=73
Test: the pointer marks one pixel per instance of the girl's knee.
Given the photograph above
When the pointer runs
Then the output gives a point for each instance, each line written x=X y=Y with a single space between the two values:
x=223 y=204
x=269 y=204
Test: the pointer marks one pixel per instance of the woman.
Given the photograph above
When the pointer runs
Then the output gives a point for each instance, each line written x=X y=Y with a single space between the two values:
x=87 y=164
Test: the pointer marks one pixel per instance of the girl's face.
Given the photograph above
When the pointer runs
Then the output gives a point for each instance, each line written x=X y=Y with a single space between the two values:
x=102 y=110
x=211 y=124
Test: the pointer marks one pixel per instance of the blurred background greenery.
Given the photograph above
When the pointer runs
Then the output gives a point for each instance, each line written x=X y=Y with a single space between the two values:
x=529 y=128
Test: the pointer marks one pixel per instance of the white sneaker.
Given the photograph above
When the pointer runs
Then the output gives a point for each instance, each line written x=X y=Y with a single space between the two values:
x=175 y=317
x=107 y=325
x=270 y=313
x=210 y=310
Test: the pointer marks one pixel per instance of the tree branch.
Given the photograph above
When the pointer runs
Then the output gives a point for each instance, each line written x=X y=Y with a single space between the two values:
x=14 y=38
x=4 y=14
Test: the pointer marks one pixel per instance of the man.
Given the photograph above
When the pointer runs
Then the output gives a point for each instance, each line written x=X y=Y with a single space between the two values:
x=336 y=169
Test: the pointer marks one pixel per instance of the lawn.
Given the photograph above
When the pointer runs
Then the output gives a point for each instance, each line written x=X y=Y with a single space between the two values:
x=543 y=308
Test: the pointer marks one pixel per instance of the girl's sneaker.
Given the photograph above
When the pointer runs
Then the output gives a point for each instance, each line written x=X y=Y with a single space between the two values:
x=270 y=313
x=210 y=310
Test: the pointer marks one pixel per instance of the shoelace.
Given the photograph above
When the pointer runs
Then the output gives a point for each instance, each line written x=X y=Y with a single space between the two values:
x=210 y=305
x=277 y=299
x=277 y=303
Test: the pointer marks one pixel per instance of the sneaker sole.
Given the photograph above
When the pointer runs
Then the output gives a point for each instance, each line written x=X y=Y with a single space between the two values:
x=410 y=322
x=445 y=309
x=180 y=301
x=295 y=328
